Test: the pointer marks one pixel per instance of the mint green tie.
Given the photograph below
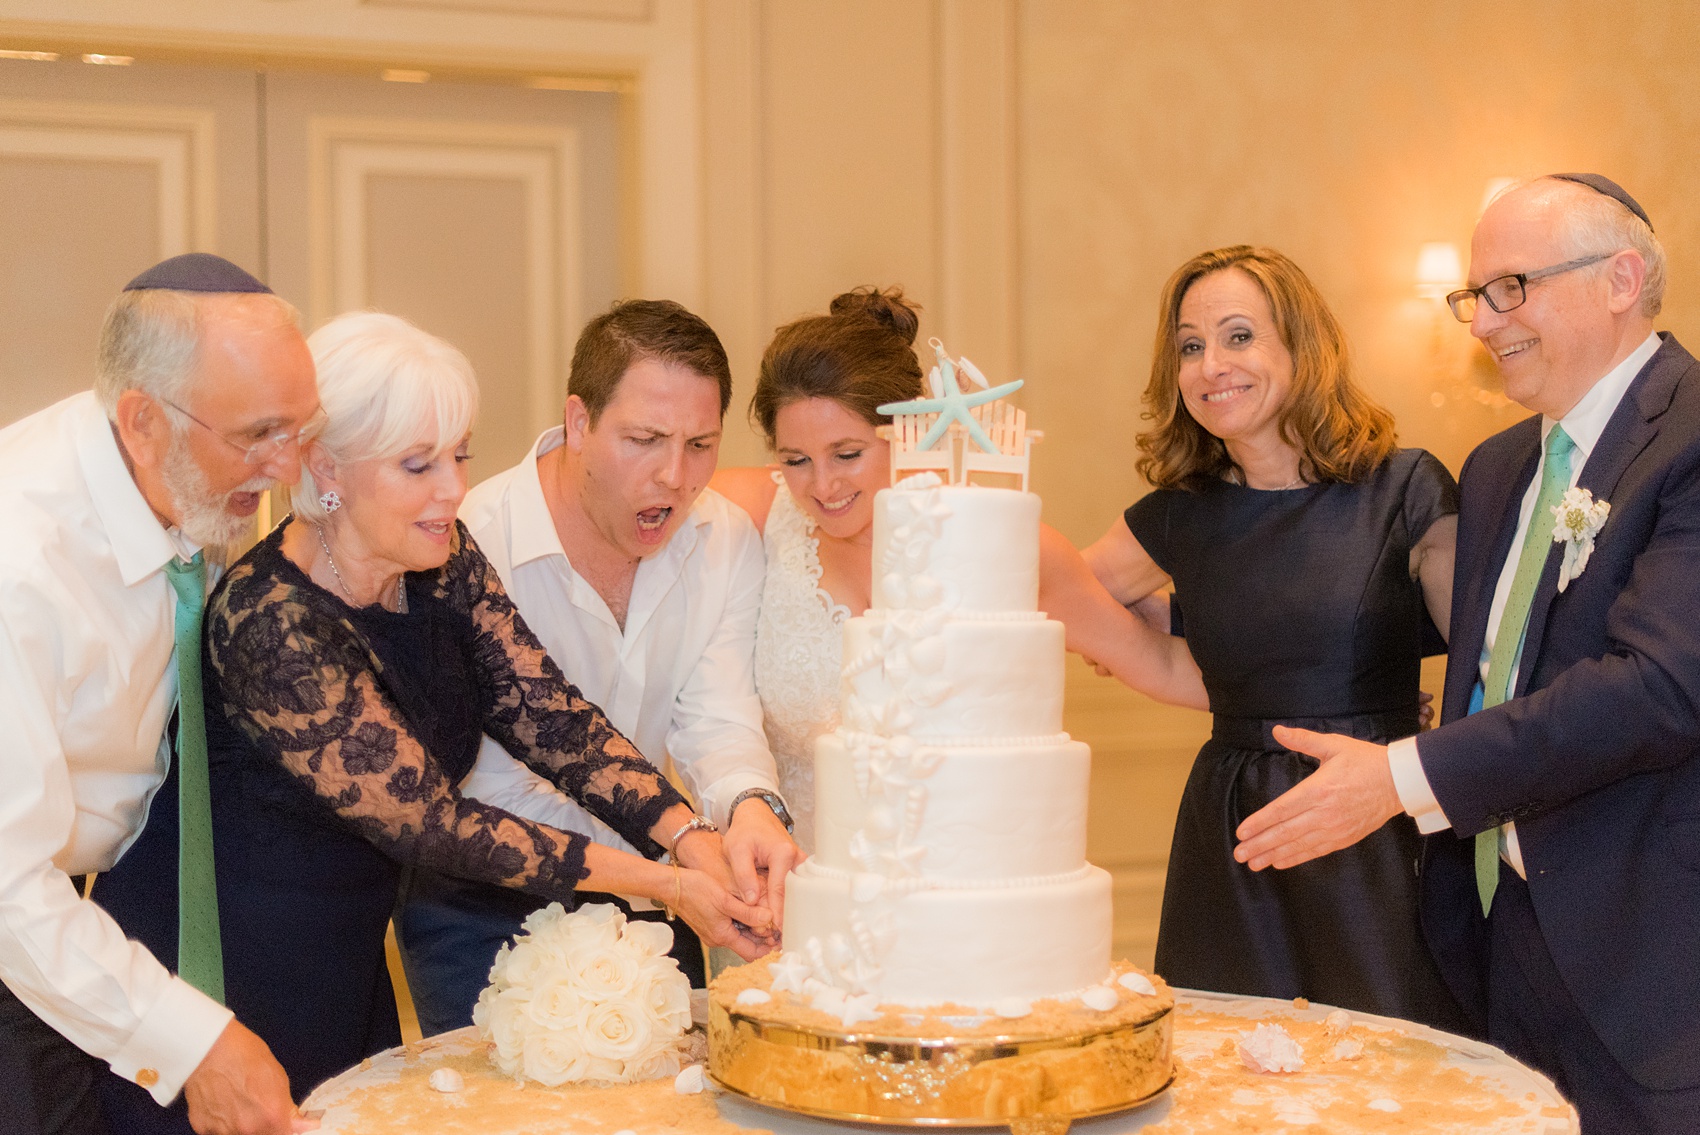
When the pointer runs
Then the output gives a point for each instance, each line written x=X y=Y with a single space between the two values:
x=200 y=953
x=1514 y=622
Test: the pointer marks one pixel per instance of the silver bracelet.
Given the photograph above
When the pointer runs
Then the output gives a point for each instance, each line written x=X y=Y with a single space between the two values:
x=696 y=823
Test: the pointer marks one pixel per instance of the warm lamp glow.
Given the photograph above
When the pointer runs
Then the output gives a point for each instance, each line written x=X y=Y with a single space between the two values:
x=1495 y=186
x=1438 y=269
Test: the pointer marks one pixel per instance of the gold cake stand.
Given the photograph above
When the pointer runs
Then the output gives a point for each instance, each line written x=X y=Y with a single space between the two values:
x=1033 y=1084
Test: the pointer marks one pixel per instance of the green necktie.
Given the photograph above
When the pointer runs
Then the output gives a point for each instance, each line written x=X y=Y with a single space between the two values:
x=1508 y=643
x=200 y=953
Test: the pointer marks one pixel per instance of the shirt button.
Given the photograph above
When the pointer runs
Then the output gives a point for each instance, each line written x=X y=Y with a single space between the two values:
x=147 y=1078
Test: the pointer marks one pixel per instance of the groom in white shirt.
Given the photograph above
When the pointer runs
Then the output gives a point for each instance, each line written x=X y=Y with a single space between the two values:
x=106 y=500
x=645 y=589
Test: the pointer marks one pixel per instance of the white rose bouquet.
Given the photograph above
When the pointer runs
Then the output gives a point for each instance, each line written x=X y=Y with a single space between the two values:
x=586 y=996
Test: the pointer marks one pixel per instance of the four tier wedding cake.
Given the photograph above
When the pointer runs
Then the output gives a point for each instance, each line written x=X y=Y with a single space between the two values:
x=949 y=899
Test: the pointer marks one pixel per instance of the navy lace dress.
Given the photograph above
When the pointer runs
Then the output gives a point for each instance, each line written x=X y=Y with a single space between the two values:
x=1299 y=607
x=335 y=738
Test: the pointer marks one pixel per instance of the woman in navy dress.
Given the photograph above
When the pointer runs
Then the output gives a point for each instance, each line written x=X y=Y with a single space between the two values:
x=353 y=660
x=1311 y=561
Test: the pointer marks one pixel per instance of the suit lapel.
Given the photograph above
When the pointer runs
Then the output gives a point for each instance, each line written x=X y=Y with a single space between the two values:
x=1481 y=556
x=1632 y=426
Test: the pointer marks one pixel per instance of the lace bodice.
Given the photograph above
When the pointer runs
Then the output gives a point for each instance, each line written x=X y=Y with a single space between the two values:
x=799 y=654
x=293 y=672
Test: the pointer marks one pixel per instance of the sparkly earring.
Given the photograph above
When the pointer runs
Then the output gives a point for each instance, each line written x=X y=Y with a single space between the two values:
x=329 y=501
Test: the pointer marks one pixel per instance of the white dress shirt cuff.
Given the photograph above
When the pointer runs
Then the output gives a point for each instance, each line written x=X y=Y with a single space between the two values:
x=1411 y=783
x=717 y=798
x=172 y=1040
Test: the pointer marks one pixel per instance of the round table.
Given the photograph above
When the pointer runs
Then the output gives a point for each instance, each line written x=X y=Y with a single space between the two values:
x=1408 y=1078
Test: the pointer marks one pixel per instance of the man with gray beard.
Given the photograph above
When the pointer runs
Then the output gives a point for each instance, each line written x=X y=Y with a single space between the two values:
x=107 y=501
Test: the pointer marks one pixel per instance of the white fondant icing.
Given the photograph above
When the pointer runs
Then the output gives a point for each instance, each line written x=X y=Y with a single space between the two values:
x=969 y=945
x=998 y=678
x=986 y=547
x=952 y=809
x=1012 y=1008
x=991 y=811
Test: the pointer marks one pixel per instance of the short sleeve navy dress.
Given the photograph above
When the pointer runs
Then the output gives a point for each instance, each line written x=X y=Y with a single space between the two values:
x=1300 y=609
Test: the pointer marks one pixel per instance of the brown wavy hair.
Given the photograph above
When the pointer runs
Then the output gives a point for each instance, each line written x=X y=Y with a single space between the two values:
x=1340 y=432
x=861 y=355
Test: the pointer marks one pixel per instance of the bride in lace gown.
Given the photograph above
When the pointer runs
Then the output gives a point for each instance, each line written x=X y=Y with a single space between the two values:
x=822 y=379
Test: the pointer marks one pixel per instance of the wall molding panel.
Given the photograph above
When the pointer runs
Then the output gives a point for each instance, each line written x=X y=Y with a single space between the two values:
x=178 y=142
x=344 y=154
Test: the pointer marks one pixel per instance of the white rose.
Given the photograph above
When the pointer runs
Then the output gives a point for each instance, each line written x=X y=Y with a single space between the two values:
x=669 y=999
x=556 y=1005
x=555 y=1057
x=540 y=920
x=616 y=1029
x=598 y=924
x=504 y=1024
x=654 y=1065
x=613 y=1071
x=527 y=962
x=603 y=971
x=500 y=965
x=649 y=939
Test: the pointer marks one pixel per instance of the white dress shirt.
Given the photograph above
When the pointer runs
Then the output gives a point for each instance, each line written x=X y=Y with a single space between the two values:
x=1585 y=422
x=88 y=680
x=678 y=680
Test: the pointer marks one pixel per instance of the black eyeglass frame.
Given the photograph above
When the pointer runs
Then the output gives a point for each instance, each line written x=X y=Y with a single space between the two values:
x=1524 y=279
x=272 y=445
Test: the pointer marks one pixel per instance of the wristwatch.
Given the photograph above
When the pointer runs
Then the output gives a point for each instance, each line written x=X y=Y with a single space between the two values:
x=772 y=800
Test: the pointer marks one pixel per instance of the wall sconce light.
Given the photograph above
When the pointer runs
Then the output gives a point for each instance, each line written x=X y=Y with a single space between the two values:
x=1438 y=269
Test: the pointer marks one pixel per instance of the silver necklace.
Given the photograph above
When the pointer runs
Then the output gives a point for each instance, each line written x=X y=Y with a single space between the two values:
x=400 y=583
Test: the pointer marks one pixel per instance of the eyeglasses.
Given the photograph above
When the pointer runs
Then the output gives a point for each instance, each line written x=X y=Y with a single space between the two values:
x=1506 y=293
x=266 y=448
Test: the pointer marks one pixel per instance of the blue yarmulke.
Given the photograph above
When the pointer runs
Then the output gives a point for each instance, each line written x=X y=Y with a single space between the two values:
x=1602 y=184
x=196 y=272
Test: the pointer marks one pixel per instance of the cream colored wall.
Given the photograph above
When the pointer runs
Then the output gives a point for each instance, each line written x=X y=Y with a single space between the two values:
x=1344 y=134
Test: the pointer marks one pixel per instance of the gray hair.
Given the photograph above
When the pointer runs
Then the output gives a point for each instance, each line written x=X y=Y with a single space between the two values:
x=386 y=387
x=149 y=342
x=1595 y=223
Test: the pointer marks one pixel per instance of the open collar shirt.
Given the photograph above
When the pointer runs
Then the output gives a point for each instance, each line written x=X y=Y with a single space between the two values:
x=88 y=682
x=1585 y=422
x=678 y=679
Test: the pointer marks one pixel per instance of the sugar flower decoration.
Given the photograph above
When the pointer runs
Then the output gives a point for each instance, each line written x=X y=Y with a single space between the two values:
x=1577 y=519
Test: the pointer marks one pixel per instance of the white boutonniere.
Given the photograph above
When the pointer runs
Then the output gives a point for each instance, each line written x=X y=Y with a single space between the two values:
x=1577 y=519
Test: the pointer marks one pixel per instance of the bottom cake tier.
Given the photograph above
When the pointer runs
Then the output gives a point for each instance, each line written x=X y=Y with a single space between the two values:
x=944 y=1065
x=970 y=945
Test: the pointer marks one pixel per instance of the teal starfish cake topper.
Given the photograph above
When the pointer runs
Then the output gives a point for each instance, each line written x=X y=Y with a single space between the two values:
x=951 y=403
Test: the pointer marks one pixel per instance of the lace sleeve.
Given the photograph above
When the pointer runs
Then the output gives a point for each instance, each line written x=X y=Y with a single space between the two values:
x=542 y=719
x=298 y=682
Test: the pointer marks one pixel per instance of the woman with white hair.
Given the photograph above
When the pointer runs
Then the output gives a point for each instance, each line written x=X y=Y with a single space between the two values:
x=353 y=659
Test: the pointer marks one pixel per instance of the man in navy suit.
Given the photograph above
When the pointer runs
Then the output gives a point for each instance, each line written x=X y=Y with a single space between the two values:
x=1567 y=764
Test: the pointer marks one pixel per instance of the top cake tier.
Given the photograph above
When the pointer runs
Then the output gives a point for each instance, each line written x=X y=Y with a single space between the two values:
x=960 y=547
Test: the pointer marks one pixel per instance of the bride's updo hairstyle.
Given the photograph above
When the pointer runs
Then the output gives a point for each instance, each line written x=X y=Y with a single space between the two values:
x=1341 y=434
x=861 y=355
